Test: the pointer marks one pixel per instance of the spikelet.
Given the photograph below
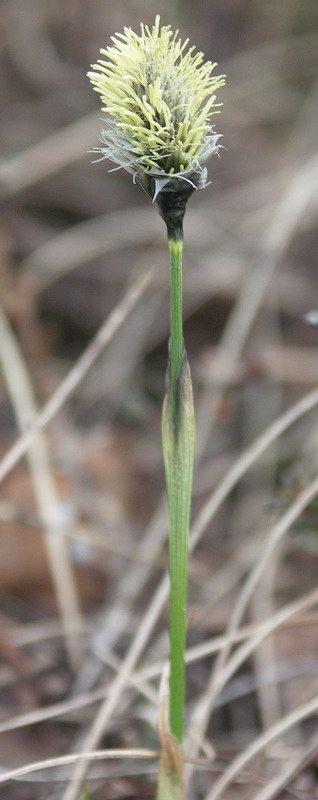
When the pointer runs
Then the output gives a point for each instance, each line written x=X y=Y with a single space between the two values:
x=158 y=95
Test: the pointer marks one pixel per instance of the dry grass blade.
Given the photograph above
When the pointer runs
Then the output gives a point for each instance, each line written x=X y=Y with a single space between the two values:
x=116 y=619
x=219 y=674
x=238 y=469
x=160 y=596
x=71 y=236
x=247 y=459
x=274 y=537
x=48 y=504
x=264 y=630
x=256 y=637
x=74 y=758
x=297 y=196
x=77 y=373
x=251 y=636
x=273 y=787
x=260 y=743
x=116 y=687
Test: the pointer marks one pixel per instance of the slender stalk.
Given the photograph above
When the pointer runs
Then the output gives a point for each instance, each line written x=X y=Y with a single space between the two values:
x=176 y=324
x=178 y=434
x=178 y=520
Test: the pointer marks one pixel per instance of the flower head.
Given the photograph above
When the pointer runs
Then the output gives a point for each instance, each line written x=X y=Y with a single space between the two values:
x=159 y=96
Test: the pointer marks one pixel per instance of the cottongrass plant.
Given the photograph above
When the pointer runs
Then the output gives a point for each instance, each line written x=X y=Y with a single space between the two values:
x=159 y=95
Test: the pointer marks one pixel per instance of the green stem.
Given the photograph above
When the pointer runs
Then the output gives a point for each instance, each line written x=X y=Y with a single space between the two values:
x=176 y=324
x=178 y=448
x=178 y=533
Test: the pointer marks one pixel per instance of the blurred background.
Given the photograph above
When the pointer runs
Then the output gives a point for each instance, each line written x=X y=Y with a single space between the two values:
x=74 y=239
